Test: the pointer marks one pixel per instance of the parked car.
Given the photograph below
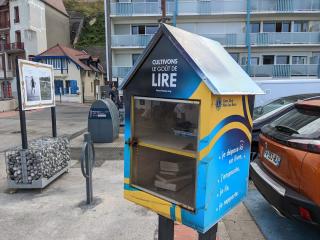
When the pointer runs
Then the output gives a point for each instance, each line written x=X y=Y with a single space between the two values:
x=265 y=114
x=287 y=171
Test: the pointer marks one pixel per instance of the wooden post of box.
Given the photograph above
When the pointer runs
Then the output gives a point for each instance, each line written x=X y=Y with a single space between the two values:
x=188 y=121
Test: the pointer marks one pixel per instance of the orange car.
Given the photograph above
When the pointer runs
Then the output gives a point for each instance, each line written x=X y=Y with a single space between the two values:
x=287 y=171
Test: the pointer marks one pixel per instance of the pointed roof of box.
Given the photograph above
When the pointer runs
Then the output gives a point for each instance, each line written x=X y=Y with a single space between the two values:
x=213 y=64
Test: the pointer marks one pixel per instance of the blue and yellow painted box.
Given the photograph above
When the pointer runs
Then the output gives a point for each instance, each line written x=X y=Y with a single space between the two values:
x=188 y=124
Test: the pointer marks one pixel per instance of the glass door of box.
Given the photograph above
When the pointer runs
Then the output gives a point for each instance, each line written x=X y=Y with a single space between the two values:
x=164 y=156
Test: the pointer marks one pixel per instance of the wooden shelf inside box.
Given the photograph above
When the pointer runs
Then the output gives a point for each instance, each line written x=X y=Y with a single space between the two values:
x=169 y=143
x=180 y=198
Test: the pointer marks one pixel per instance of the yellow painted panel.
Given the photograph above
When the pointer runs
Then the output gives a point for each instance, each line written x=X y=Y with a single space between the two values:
x=248 y=111
x=178 y=214
x=127 y=180
x=147 y=200
x=210 y=115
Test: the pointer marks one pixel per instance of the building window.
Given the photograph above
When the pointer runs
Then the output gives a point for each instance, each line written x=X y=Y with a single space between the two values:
x=300 y=26
x=283 y=59
x=269 y=27
x=276 y=26
x=135 y=30
x=135 y=58
x=152 y=29
x=91 y=87
x=4 y=19
x=254 y=61
x=299 y=59
x=143 y=29
x=16 y=14
x=268 y=59
x=18 y=36
x=285 y=27
x=255 y=27
x=9 y=66
x=315 y=59
x=7 y=38
x=235 y=56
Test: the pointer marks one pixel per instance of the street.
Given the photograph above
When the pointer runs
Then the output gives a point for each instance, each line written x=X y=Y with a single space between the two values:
x=71 y=119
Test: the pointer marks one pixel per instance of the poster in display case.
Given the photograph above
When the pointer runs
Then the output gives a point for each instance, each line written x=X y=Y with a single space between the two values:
x=37 y=85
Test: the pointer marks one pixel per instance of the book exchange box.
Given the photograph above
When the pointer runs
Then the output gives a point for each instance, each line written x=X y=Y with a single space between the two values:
x=188 y=120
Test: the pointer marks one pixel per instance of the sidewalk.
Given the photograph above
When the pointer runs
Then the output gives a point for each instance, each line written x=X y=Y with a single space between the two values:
x=58 y=212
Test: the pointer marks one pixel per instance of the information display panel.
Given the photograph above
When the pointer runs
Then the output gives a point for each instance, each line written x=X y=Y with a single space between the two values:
x=37 y=85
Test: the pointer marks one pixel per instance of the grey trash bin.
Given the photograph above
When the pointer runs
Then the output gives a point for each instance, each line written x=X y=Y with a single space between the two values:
x=103 y=121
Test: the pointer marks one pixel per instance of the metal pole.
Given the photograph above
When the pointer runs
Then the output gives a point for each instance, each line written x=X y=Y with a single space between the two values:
x=175 y=13
x=87 y=164
x=248 y=38
x=87 y=138
x=211 y=234
x=108 y=39
x=164 y=11
x=5 y=82
x=166 y=228
x=23 y=127
x=54 y=122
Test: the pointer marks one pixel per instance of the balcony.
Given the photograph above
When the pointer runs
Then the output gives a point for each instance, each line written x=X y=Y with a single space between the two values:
x=194 y=7
x=12 y=47
x=285 y=38
x=120 y=72
x=285 y=71
x=285 y=6
x=230 y=39
x=130 y=41
x=9 y=73
x=264 y=71
x=141 y=41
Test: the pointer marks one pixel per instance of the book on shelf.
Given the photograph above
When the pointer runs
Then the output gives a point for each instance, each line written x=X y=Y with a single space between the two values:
x=176 y=186
x=176 y=166
x=173 y=179
x=175 y=173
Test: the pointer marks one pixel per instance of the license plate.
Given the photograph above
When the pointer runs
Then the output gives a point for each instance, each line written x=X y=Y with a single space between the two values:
x=272 y=157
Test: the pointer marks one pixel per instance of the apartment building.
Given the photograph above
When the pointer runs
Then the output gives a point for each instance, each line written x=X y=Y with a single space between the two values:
x=27 y=28
x=281 y=37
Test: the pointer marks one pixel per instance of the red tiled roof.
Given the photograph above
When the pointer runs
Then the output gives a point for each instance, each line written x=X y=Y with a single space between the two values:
x=57 y=4
x=75 y=55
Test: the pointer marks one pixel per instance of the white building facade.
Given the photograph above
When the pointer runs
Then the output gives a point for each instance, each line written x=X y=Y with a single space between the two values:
x=282 y=38
x=24 y=34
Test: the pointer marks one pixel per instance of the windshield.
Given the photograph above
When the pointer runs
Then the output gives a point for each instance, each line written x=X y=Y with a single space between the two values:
x=270 y=113
x=299 y=122
x=262 y=110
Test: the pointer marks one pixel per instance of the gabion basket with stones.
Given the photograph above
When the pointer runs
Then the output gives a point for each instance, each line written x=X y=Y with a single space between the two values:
x=45 y=159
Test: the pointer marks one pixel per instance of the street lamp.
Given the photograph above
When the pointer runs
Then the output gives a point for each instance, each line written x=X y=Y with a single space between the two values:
x=5 y=83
